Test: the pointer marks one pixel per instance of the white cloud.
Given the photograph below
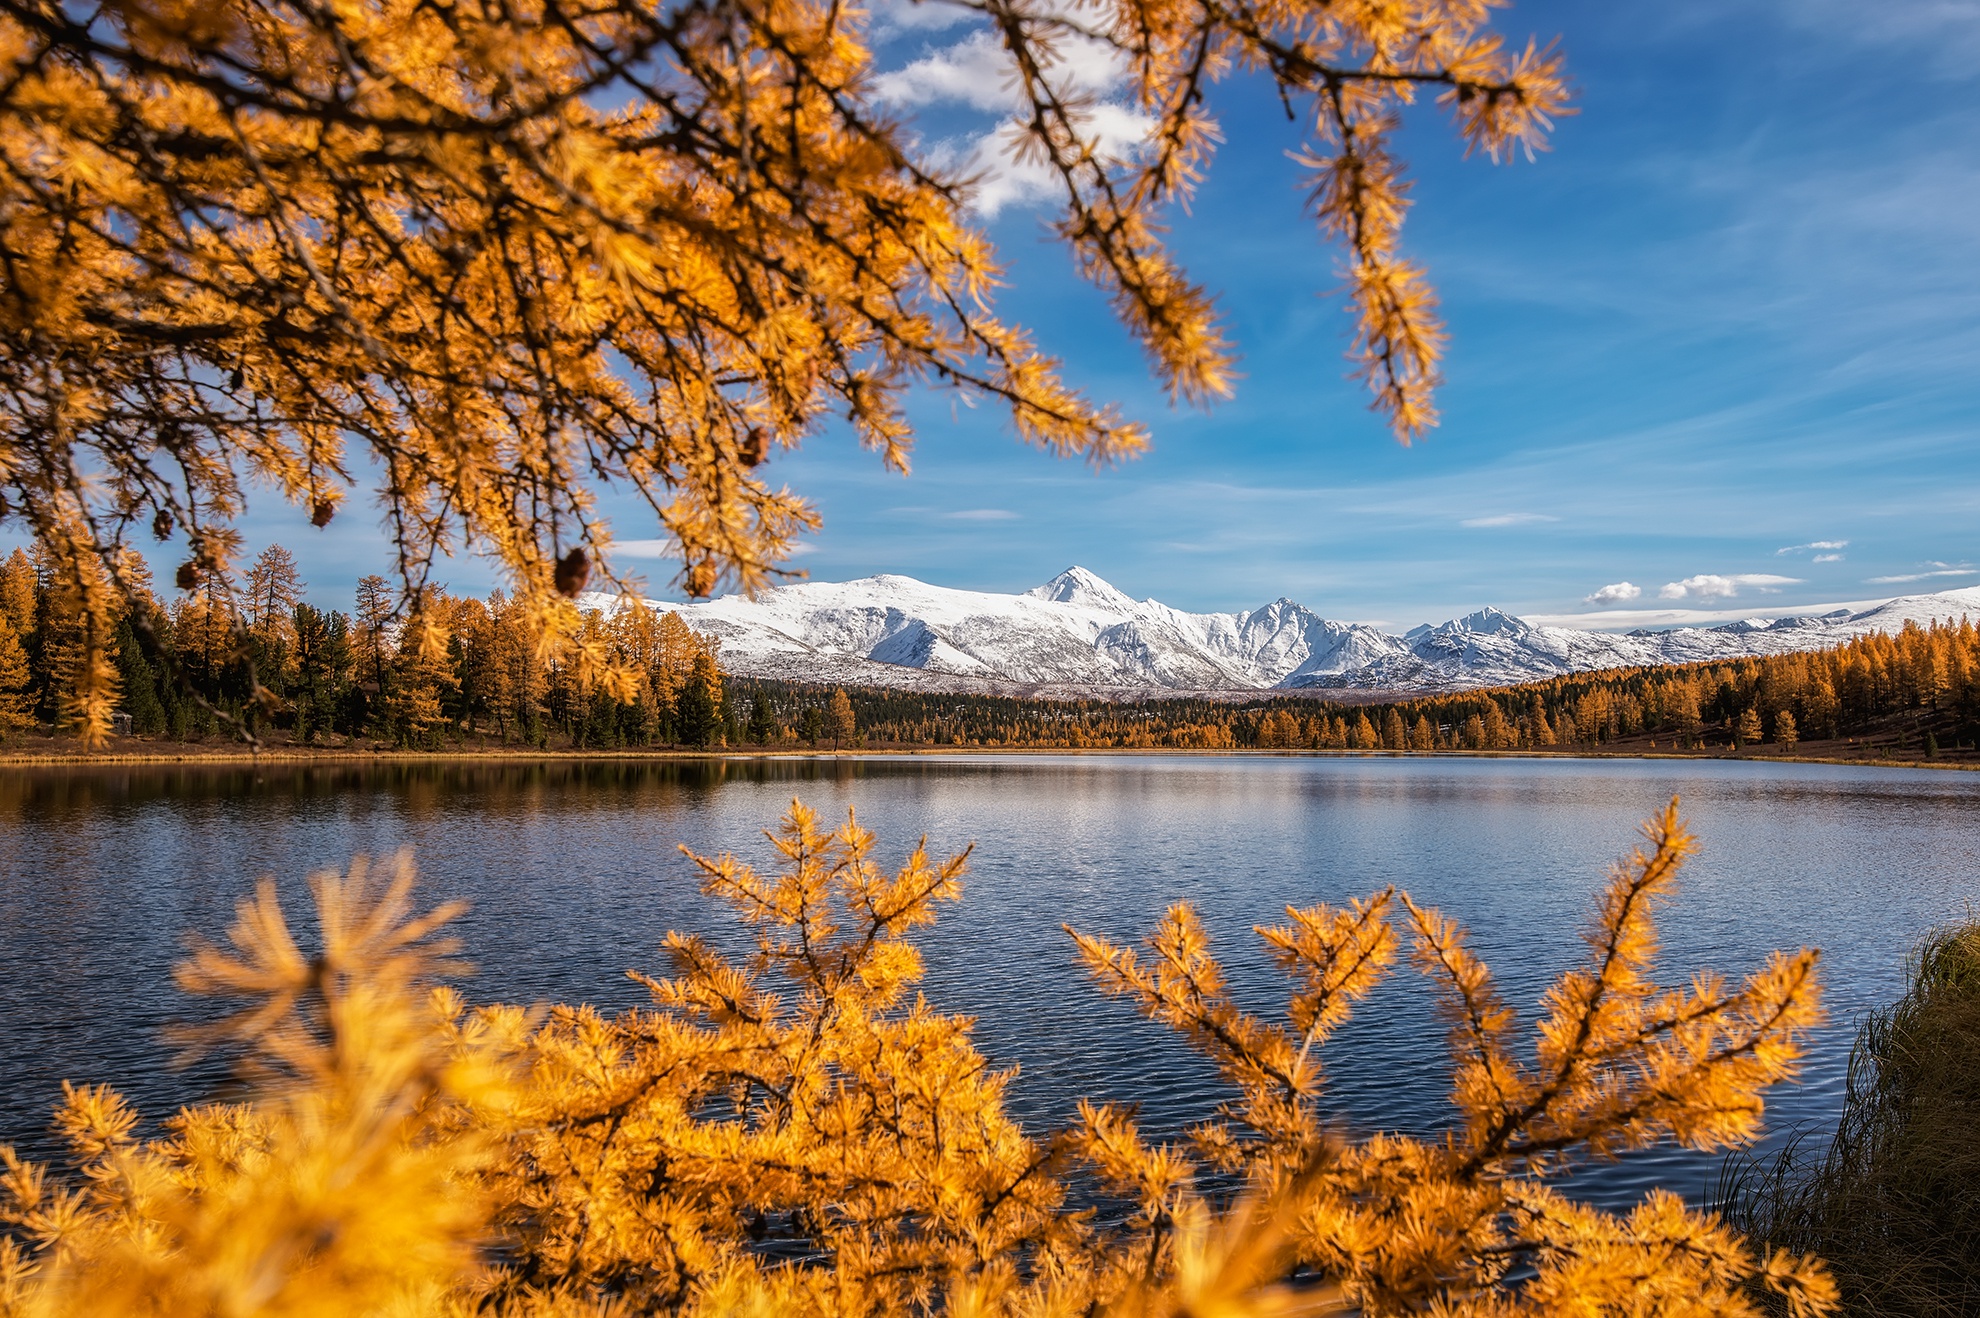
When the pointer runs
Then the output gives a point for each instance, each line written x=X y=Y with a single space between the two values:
x=977 y=72
x=1614 y=593
x=891 y=16
x=1712 y=586
x=1937 y=570
x=1815 y=544
x=1508 y=519
x=982 y=515
x=644 y=548
x=1003 y=178
x=1827 y=558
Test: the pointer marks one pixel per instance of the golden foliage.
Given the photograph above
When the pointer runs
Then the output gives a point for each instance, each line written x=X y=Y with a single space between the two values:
x=346 y=1187
x=15 y=711
x=796 y=1130
x=511 y=254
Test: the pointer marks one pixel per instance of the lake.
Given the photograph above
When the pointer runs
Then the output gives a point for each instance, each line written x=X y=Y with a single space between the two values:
x=573 y=874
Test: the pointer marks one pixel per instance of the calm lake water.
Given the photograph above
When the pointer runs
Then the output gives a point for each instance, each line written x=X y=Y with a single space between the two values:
x=574 y=876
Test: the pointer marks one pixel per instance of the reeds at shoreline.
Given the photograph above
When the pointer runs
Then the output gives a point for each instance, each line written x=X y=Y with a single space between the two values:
x=1892 y=1204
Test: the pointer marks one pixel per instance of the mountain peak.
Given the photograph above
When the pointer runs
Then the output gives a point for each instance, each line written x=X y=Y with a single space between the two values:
x=1076 y=585
x=1487 y=621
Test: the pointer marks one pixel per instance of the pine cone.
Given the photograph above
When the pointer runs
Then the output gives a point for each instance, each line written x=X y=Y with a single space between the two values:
x=573 y=570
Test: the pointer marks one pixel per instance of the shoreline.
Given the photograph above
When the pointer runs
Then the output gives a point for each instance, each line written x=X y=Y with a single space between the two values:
x=290 y=755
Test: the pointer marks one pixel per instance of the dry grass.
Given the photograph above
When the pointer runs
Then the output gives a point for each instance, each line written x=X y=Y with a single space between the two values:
x=1893 y=1203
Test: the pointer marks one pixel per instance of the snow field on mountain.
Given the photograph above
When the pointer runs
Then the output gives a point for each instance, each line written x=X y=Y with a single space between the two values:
x=1078 y=633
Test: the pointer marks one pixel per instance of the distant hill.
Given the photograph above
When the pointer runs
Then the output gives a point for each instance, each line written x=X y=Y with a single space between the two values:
x=1078 y=635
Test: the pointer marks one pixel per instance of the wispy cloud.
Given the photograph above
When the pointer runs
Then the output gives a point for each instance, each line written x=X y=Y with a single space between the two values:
x=1614 y=593
x=1612 y=620
x=1934 y=570
x=982 y=515
x=644 y=549
x=1816 y=544
x=1945 y=33
x=1508 y=519
x=1826 y=558
x=1713 y=586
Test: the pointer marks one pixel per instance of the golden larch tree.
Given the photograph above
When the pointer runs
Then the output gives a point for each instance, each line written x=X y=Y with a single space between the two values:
x=16 y=703
x=510 y=255
x=18 y=591
x=841 y=725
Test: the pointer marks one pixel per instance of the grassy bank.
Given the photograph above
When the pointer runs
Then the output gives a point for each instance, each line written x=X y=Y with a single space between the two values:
x=1893 y=1200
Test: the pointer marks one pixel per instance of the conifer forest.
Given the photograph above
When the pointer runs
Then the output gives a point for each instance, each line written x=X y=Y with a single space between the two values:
x=210 y=665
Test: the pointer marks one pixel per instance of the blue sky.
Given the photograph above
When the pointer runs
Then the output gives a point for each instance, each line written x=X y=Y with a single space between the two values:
x=1733 y=311
x=1722 y=343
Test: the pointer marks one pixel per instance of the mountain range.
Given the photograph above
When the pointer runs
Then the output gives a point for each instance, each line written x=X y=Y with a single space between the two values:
x=1078 y=635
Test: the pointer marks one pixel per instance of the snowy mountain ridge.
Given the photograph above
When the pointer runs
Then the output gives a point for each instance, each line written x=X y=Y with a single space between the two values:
x=1078 y=634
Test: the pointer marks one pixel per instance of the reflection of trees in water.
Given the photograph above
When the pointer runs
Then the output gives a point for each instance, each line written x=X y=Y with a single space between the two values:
x=81 y=791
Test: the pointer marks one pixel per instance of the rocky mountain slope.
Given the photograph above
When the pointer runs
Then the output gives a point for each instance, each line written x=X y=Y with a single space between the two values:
x=1076 y=634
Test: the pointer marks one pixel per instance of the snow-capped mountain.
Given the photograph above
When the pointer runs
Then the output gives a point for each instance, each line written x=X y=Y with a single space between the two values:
x=1078 y=634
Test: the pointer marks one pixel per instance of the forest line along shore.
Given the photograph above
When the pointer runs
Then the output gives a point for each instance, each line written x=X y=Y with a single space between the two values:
x=298 y=755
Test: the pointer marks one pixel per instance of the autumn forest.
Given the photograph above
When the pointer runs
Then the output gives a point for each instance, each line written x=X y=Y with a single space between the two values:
x=270 y=665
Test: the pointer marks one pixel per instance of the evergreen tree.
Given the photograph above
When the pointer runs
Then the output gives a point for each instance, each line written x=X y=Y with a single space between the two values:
x=322 y=670
x=142 y=698
x=354 y=706
x=813 y=724
x=762 y=721
x=597 y=727
x=471 y=652
x=697 y=715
